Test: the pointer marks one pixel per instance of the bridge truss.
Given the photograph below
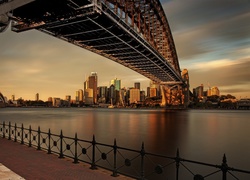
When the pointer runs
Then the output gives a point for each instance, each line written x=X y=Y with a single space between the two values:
x=134 y=33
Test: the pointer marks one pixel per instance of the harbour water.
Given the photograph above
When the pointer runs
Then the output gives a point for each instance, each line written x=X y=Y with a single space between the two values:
x=201 y=135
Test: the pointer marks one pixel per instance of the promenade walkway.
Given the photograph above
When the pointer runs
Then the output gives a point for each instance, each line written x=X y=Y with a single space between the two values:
x=31 y=164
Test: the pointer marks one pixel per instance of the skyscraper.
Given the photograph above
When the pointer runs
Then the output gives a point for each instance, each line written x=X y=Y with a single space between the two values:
x=91 y=84
x=117 y=83
x=80 y=95
x=137 y=85
x=134 y=95
x=37 y=97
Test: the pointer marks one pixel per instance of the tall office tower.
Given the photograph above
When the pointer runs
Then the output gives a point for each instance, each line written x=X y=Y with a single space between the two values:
x=142 y=95
x=102 y=94
x=111 y=94
x=215 y=91
x=198 y=91
x=80 y=95
x=91 y=84
x=134 y=95
x=117 y=83
x=77 y=96
x=37 y=97
x=137 y=85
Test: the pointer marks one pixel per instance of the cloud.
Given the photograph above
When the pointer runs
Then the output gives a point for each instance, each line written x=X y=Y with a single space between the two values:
x=229 y=76
x=201 y=27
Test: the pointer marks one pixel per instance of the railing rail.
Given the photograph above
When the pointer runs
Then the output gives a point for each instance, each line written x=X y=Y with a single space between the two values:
x=137 y=164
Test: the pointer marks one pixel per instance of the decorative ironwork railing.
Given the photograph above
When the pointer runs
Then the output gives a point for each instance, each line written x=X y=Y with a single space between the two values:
x=137 y=164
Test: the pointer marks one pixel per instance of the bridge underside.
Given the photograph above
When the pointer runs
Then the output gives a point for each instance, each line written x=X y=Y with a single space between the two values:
x=95 y=26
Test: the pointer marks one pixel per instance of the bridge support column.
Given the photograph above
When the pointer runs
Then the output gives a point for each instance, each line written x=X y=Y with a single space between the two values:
x=173 y=96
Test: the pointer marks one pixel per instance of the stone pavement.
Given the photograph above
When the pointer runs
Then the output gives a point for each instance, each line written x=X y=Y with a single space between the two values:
x=23 y=162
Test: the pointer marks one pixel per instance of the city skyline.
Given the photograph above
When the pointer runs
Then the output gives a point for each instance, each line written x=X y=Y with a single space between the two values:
x=211 y=38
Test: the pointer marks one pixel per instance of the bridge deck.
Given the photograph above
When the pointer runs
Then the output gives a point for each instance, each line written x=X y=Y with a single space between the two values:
x=30 y=163
x=94 y=25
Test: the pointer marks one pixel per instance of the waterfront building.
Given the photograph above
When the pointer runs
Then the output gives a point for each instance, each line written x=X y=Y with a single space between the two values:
x=80 y=95
x=152 y=92
x=117 y=83
x=56 y=102
x=37 y=97
x=134 y=95
x=50 y=99
x=198 y=91
x=88 y=94
x=77 y=96
x=137 y=85
x=156 y=86
x=91 y=83
x=142 y=96
x=215 y=91
x=68 y=98
x=102 y=94
x=111 y=94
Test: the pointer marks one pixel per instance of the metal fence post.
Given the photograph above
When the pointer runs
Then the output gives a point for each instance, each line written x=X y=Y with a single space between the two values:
x=76 y=156
x=224 y=168
x=49 y=148
x=93 y=165
x=30 y=136
x=22 y=142
x=9 y=138
x=142 y=160
x=115 y=152
x=61 y=145
x=15 y=138
x=177 y=161
x=39 y=139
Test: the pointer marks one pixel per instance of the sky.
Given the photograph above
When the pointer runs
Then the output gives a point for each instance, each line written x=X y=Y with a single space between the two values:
x=212 y=39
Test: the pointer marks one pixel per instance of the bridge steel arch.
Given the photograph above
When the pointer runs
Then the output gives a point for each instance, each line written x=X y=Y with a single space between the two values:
x=134 y=33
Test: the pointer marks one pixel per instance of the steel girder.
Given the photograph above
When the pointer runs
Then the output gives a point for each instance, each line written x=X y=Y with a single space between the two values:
x=111 y=29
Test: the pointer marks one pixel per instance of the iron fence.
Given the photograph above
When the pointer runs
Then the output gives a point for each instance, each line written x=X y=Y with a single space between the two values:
x=137 y=164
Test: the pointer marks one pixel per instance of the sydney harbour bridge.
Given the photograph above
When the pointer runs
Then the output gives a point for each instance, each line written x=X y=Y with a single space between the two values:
x=134 y=33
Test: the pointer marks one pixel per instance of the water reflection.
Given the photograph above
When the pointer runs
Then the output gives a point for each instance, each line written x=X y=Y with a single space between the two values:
x=199 y=134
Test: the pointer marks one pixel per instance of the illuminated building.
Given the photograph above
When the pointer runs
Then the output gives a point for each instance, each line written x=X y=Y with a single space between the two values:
x=80 y=95
x=215 y=91
x=134 y=95
x=152 y=92
x=90 y=88
x=198 y=91
x=117 y=83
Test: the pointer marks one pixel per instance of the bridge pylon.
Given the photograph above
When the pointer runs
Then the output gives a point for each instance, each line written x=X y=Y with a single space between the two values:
x=176 y=95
